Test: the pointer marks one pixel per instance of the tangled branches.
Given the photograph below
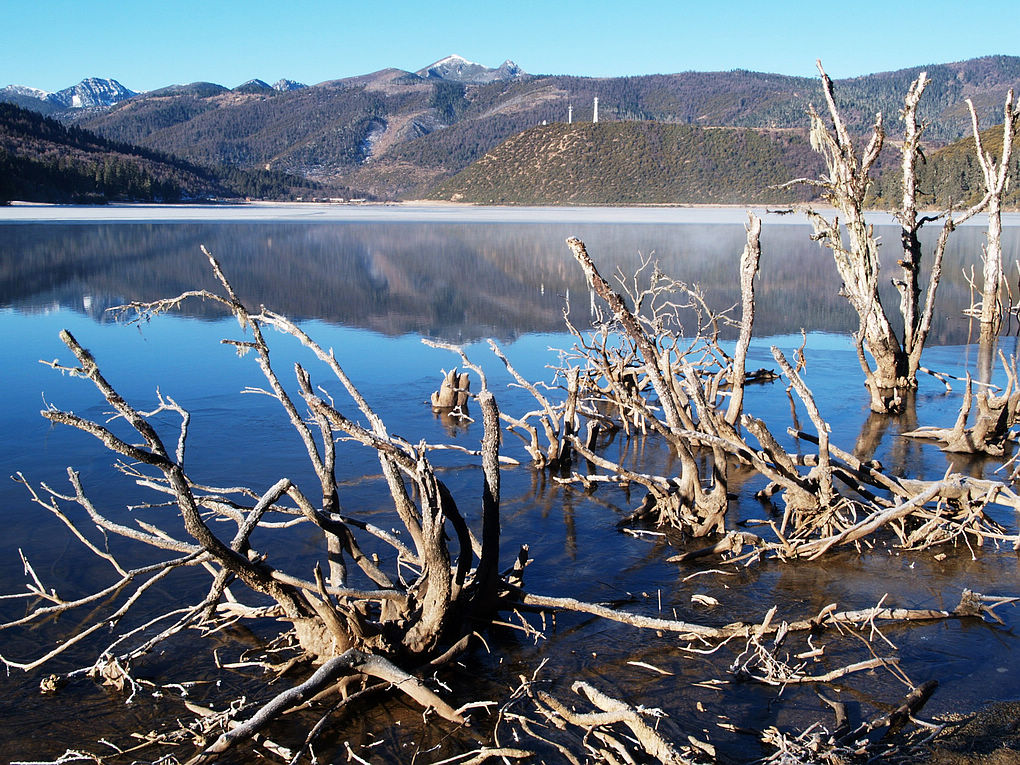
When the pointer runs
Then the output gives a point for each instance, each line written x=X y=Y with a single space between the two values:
x=639 y=372
x=375 y=609
x=361 y=618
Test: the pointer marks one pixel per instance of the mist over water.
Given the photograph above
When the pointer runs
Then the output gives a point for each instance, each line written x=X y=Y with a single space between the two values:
x=451 y=280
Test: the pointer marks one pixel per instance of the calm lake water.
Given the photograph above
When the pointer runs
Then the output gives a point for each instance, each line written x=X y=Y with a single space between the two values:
x=372 y=290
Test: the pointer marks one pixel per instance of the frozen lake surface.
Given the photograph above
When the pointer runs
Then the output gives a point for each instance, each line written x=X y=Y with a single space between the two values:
x=418 y=212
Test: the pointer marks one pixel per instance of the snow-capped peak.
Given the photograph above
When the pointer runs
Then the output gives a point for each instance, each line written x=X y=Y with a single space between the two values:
x=454 y=59
x=92 y=91
x=24 y=90
x=253 y=86
x=459 y=69
x=285 y=85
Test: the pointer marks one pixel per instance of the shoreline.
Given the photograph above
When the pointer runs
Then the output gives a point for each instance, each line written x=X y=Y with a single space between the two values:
x=417 y=211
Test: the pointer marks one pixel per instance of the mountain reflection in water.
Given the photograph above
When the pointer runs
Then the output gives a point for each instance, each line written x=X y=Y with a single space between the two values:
x=456 y=281
x=464 y=282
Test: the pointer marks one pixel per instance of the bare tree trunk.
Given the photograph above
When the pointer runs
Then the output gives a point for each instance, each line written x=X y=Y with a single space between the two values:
x=910 y=292
x=857 y=258
x=995 y=178
x=487 y=576
x=748 y=270
x=991 y=316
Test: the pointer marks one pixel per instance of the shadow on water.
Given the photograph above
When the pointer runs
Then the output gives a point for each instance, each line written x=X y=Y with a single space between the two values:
x=370 y=291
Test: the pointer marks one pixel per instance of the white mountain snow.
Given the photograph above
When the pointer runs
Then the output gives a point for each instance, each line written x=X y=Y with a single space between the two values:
x=100 y=92
x=288 y=85
x=253 y=86
x=459 y=69
x=92 y=91
x=23 y=90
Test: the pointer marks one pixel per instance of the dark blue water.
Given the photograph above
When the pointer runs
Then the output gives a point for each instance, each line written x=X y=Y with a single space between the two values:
x=370 y=292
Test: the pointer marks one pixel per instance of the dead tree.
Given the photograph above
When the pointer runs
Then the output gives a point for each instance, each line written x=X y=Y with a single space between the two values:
x=367 y=618
x=824 y=493
x=454 y=392
x=749 y=260
x=995 y=178
x=558 y=422
x=856 y=256
x=990 y=430
x=685 y=375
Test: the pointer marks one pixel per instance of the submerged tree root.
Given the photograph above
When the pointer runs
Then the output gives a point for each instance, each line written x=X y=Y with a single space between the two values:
x=608 y=729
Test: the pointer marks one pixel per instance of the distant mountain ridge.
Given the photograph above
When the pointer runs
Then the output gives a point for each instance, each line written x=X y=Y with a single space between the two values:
x=457 y=69
x=93 y=92
x=90 y=92
x=396 y=133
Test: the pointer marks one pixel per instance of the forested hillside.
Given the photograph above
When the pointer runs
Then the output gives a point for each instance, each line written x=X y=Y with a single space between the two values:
x=44 y=161
x=951 y=175
x=393 y=133
x=637 y=162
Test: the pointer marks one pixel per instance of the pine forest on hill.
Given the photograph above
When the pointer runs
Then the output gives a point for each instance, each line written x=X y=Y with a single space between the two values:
x=44 y=161
x=636 y=163
x=950 y=176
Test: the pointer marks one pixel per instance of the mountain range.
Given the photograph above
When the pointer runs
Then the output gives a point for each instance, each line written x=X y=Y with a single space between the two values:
x=396 y=133
x=91 y=92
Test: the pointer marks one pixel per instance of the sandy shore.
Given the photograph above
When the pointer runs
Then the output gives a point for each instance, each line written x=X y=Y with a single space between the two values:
x=411 y=212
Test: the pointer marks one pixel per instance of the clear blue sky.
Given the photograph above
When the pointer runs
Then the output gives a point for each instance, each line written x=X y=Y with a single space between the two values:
x=51 y=44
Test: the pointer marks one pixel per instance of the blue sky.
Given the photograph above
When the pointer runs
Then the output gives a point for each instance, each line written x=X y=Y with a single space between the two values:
x=51 y=44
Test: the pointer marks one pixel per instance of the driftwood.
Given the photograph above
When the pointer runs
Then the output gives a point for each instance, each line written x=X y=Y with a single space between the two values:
x=686 y=375
x=351 y=660
x=559 y=422
x=776 y=653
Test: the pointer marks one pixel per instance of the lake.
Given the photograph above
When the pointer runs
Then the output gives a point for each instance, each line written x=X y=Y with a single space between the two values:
x=370 y=285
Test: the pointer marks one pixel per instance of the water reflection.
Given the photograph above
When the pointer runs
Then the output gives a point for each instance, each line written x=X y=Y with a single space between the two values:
x=466 y=281
x=457 y=281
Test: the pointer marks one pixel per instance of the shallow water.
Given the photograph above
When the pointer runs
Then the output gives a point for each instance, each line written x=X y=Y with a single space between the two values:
x=370 y=291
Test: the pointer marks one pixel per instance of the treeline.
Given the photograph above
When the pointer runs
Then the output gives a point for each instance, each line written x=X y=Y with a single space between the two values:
x=42 y=160
x=58 y=177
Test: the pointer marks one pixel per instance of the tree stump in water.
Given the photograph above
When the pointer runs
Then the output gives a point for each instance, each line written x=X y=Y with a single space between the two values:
x=453 y=393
